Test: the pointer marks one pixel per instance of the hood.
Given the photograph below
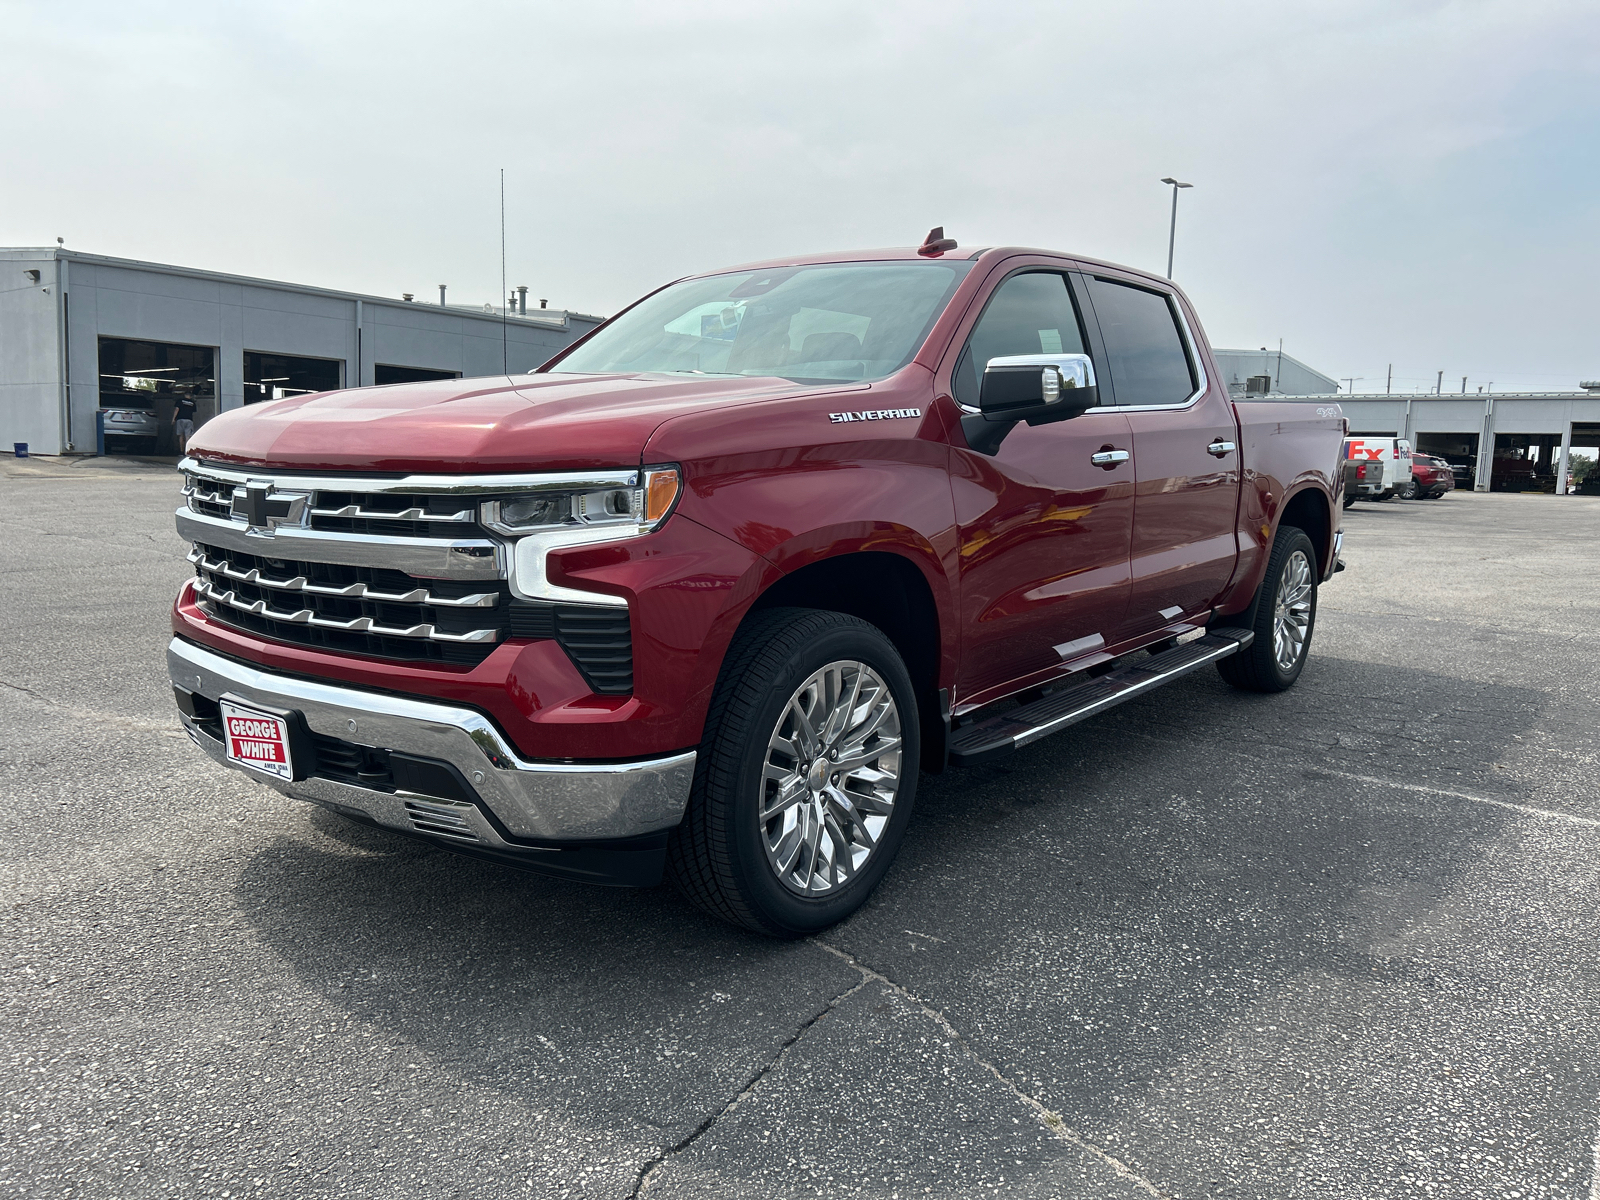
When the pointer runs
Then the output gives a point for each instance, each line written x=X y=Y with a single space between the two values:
x=517 y=423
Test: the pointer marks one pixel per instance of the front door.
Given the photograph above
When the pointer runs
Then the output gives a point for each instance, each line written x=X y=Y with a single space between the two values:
x=1044 y=532
x=1185 y=449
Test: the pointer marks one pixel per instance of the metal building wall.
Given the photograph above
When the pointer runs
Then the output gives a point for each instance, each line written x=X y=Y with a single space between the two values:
x=150 y=301
x=31 y=395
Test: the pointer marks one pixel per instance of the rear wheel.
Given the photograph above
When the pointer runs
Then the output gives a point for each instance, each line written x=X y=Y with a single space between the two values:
x=806 y=775
x=1285 y=617
x=1349 y=500
x=1409 y=492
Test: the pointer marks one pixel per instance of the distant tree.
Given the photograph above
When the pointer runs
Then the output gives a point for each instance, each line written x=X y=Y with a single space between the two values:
x=1580 y=465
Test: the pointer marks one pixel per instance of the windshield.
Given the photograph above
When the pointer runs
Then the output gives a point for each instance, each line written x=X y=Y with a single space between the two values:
x=821 y=324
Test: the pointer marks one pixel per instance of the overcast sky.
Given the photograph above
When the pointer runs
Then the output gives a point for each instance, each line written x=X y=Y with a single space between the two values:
x=1415 y=183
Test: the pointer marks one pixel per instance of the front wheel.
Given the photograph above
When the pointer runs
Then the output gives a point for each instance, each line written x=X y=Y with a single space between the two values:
x=1285 y=617
x=806 y=774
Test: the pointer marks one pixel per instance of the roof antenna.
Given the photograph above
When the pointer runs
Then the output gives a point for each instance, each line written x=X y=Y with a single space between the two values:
x=936 y=243
x=505 y=353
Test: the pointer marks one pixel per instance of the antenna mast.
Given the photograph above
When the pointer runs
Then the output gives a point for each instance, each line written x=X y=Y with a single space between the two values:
x=505 y=352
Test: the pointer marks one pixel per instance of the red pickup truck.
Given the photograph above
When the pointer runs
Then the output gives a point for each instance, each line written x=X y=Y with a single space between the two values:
x=704 y=593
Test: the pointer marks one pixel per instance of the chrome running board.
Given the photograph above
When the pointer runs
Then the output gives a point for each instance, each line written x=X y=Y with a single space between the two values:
x=1020 y=727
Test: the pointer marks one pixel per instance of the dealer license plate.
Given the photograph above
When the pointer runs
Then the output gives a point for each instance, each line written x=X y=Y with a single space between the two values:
x=257 y=740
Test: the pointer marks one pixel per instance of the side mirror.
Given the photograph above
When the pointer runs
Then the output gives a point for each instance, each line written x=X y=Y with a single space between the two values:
x=1036 y=388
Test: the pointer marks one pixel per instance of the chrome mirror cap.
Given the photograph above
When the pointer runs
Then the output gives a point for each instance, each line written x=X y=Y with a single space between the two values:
x=1059 y=372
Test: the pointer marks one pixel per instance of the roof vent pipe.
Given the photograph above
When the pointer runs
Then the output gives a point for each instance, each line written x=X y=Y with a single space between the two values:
x=406 y=296
x=522 y=300
x=441 y=295
x=544 y=304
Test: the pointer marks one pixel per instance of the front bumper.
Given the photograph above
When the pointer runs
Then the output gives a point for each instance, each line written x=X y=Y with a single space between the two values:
x=559 y=817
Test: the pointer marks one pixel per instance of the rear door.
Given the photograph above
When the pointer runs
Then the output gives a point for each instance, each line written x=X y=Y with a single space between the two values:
x=1185 y=450
x=1045 y=532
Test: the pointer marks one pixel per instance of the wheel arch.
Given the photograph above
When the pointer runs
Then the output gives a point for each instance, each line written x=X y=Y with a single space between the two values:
x=890 y=592
x=1311 y=509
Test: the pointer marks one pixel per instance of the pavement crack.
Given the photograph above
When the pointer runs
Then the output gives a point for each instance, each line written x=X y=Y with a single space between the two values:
x=1047 y=1116
x=652 y=1168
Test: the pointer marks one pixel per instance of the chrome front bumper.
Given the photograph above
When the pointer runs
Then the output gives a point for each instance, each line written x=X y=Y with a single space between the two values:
x=520 y=805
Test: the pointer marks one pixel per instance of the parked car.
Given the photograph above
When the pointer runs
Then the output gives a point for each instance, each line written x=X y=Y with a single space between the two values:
x=1430 y=478
x=707 y=591
x=1391 y=454
x=136 y=424
x=1363 y=480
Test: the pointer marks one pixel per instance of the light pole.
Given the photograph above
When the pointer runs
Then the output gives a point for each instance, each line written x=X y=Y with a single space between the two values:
x=1352 y=382
x=1172 y=234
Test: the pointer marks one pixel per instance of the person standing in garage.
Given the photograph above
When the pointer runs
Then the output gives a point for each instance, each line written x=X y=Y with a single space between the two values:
x=183 y=421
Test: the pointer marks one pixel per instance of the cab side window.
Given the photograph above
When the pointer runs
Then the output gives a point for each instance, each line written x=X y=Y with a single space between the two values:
x=1031 y=313
x=1149 y=364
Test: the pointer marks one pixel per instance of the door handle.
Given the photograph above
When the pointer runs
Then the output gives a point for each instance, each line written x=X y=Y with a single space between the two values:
x=1221 y=448
x=1109 y=458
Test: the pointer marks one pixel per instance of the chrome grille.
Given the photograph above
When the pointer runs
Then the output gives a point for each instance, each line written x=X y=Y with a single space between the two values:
x=209 y=497
x=396 y=568
x=392 y=514
x=359 y=610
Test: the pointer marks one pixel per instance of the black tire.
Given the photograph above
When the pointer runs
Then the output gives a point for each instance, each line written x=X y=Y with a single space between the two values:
x=1409 y=492
x=717 y=856
x=1349 y=501
x=1257 y=669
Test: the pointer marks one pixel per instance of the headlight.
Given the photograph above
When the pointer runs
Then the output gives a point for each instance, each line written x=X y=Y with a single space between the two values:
x=627 y=510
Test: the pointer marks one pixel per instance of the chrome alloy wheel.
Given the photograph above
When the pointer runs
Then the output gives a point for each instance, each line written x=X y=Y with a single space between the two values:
x=1291 y=614
x=830 y=778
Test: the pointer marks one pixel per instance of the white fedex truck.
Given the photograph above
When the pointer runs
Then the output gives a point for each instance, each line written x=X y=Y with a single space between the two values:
x=1393 y=458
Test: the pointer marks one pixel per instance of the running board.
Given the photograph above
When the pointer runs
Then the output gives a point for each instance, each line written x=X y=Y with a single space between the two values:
x=1022 y=726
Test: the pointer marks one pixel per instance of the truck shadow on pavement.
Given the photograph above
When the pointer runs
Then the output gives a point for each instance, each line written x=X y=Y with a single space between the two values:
x=1093 y=915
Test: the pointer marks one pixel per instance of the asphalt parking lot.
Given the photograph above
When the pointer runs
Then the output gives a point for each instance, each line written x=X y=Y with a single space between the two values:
x=1336 y=943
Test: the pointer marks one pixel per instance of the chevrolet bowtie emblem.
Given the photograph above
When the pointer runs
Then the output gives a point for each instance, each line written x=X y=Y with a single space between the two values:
x=261 y=507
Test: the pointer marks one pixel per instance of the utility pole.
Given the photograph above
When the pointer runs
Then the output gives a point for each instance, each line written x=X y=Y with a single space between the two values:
x=1438 y=387
x=1388 y=385
x=1172 y=232
x=1463 y=385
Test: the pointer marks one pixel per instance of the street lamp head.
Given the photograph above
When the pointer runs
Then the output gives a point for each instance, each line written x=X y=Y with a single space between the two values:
x=1175 y=183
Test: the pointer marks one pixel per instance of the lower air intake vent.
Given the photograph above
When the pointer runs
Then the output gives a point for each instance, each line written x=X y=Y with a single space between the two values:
x=441 y=818
x=598 y=639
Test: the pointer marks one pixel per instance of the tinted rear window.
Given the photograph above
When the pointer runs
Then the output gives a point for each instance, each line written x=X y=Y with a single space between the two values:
x=1149 y=364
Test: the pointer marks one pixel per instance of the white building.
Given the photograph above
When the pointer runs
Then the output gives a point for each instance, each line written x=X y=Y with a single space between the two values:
x=1263 y=372
x=1513 y=441
x=82 y=333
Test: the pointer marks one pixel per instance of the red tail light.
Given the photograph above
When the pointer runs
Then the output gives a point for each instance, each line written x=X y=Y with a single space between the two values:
x=1361 y=470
